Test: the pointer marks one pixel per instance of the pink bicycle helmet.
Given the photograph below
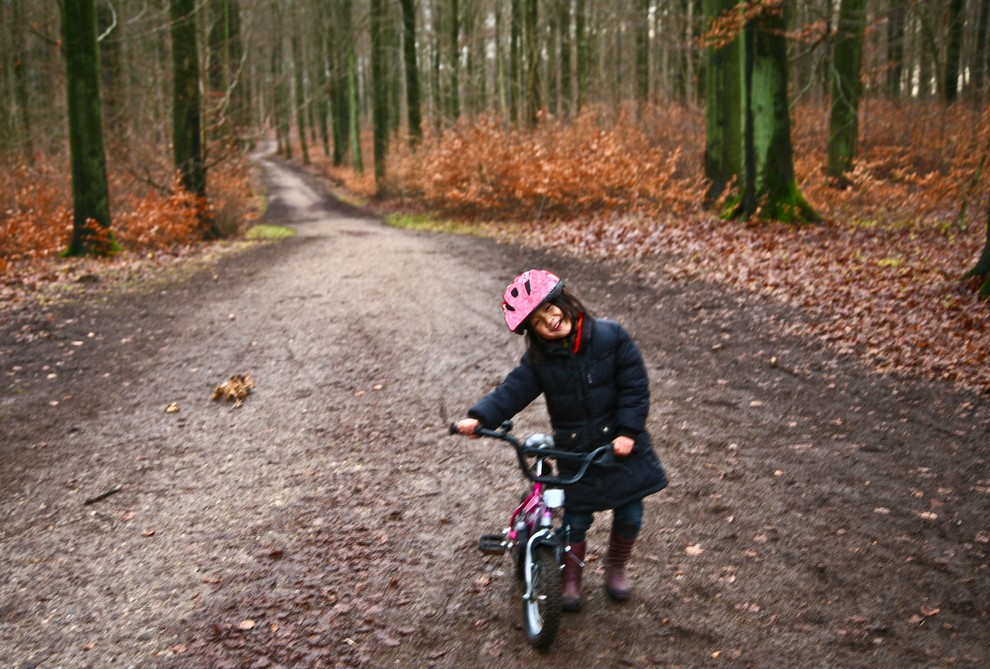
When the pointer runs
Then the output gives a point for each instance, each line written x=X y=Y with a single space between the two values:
x=526 y=294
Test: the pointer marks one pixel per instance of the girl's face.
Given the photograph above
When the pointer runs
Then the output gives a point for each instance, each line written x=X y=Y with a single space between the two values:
x=550 y=322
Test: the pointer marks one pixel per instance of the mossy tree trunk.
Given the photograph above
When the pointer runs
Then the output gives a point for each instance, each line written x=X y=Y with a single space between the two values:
x=723 y=104
x=770 y=187
x=981 y=271
x=90 y=190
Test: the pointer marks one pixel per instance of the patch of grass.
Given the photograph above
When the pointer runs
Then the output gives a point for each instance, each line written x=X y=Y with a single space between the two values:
x=425 y=222
x=264 y=232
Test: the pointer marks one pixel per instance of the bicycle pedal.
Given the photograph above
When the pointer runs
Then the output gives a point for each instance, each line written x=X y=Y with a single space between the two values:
x=492 y=544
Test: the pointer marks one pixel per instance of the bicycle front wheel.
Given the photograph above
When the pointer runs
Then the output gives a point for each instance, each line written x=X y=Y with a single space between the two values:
x=541 y=604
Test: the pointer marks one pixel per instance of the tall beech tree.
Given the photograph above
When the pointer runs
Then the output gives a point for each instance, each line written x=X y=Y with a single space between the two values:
x=90 y=190
x=299 y=88
x=187 y=119
x=531 y=38
x=515 y=60
x=895 y=47
x=22 y=97
x=226 y=87
x=379 y=93
x=767 y=184
x=723 y=99
x=414 y=113
x=843 y=127
x=953 y=51
x=583 y=49
x=340 y=46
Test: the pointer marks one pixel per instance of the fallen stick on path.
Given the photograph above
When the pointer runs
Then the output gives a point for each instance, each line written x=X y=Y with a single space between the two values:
x=103 y=495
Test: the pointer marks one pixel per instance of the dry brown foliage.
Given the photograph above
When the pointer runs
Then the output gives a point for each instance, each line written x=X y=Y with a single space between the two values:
x=880 y=277
x=147 y=222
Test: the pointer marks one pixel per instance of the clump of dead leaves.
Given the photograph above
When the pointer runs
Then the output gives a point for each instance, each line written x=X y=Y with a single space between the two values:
x=235 y=389
x=880 y=278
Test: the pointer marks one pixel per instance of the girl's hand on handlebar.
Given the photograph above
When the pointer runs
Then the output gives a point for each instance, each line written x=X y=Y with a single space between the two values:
x=467 y=426
x=622 y=445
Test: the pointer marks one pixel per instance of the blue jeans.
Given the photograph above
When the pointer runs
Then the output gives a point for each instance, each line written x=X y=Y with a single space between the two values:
x=626 y=521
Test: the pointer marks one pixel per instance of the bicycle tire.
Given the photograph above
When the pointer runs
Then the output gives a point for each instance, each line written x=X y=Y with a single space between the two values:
x=541 y=610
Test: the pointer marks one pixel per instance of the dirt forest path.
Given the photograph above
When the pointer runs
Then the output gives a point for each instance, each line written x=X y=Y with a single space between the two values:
x=818 y=515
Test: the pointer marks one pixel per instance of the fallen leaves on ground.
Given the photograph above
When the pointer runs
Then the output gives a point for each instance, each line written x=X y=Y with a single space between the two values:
x=235 y=389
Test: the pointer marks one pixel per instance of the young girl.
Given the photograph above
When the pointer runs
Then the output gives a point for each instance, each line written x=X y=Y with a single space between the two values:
x=597 y=391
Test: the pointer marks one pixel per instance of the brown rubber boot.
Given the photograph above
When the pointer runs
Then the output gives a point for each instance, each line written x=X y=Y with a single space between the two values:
x=616 y=583
x=573 y=564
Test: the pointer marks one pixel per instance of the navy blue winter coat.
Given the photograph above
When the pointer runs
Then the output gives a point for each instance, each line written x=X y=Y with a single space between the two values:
x=592 y=395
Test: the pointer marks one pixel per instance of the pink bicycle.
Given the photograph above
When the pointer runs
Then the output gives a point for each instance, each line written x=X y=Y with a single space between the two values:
x=536 y=536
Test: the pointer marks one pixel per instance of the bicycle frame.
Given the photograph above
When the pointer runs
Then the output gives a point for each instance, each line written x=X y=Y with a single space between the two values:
x=532 y=530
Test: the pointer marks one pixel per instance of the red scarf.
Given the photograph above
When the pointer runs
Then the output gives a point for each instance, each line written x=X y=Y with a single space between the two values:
x=579 y=329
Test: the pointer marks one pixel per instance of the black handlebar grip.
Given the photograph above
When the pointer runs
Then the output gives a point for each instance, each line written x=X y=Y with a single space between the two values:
x=453 y=428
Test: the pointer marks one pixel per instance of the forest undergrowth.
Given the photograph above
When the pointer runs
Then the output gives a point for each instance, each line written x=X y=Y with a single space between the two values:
x=155 y=225
x=879 y=278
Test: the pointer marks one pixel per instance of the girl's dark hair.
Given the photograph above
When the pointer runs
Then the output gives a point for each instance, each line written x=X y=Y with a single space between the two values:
x=572 y=307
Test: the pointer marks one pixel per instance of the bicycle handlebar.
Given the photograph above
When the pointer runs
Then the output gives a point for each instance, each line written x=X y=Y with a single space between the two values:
x=603 y=456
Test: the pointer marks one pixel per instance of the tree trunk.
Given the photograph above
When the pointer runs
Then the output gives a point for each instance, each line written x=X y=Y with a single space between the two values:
x=551 y=69
x=770 y=187
x=723 y=106
x=981 y=271
x=216 y=71
x=226 y=87
x=298 y=69
x=414 y=114
x=238 y=92
x=22 y=98
x=533 y=51
x=282 y=111
x=895 y=48
x=950 y=86
x=847 y=49
x=90 y=191
x=564 y=60
x=378 y=102
x=642 y=36
x=321 y=65
x=515 y=61
x=187 y=138
x=501 y=85
x=980 y=55
x=340 y=45
x=452 y=97
x=354 y=110
x=111 y=75
x=583 y=52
